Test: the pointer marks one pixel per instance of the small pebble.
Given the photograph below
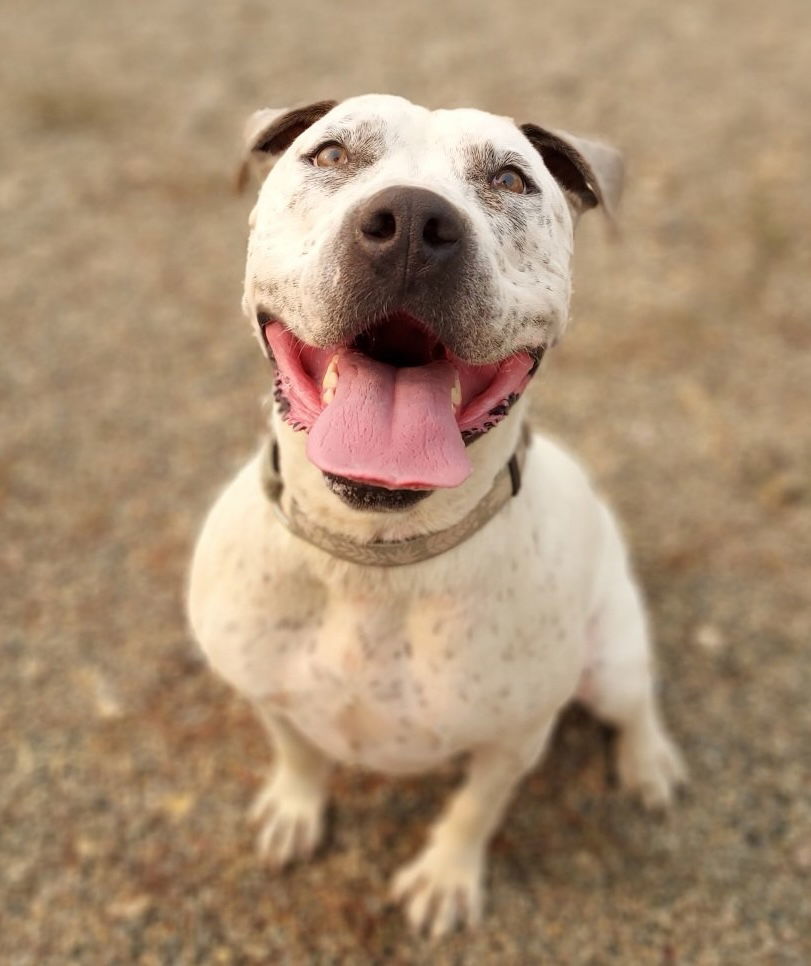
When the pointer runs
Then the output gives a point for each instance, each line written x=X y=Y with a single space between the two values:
x=709 y=637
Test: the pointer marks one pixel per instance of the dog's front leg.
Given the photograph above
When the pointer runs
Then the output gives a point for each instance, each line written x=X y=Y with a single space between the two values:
x=443 y=886
x=291 y=805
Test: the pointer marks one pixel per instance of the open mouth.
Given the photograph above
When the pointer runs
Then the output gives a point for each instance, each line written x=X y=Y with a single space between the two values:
x=396 y=407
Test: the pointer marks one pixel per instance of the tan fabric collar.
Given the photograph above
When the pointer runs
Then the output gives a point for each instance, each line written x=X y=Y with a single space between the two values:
x=395 y=553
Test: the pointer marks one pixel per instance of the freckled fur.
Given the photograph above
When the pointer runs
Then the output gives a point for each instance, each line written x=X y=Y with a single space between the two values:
x=475 y=651
x=428 y=149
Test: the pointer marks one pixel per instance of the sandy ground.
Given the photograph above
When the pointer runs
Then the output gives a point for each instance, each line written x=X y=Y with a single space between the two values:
x=130 y=392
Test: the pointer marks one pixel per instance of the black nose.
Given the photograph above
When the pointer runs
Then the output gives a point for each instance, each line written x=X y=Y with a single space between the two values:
x=410 y=227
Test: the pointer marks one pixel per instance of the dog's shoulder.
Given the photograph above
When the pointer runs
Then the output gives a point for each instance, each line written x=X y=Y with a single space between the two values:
x=551 y=466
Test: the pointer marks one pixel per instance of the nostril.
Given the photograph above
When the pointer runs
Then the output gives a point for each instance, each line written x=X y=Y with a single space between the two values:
x=440 y=232
x=380 y=225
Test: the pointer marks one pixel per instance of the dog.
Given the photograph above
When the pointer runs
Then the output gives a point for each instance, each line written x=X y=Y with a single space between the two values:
x=403 y=574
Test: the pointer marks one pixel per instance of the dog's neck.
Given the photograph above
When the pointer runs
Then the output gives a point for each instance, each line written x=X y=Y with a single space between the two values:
x=304 y=483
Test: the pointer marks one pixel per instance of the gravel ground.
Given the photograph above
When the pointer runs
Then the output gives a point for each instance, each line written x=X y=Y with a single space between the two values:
x=130 y=392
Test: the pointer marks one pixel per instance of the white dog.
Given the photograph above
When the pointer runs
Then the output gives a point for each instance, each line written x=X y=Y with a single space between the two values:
x=403 y=573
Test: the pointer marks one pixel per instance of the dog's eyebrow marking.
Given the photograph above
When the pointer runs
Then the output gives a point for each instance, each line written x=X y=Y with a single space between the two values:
x=364 y=140
x=482 y=161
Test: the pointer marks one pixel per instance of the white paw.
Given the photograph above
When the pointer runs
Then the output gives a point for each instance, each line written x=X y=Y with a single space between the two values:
x=652 y=768
x=441 y=890
x=291 y=813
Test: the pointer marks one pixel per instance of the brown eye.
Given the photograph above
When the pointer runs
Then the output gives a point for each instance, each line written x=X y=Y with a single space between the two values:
x=331 y=156
x=508 y=179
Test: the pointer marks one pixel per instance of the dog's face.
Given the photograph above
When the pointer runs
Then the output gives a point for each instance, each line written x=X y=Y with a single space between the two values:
x=406 y=269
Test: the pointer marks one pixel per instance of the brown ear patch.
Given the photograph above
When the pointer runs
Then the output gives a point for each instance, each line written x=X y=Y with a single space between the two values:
x=269 y=133
x=282 y=131
x=566 y=165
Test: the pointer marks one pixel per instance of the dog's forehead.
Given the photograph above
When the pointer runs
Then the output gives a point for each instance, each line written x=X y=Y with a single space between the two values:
x=398 y=123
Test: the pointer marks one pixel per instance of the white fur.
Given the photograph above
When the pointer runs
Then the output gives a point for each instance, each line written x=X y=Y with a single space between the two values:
x=423 y=149
x=474 y=651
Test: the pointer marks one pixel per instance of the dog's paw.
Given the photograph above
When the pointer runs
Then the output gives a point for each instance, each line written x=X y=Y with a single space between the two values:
x=440 y=890
x=652 y=769
x=291 y=814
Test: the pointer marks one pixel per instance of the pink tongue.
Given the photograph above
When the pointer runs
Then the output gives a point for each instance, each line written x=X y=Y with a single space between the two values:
x=391 y=427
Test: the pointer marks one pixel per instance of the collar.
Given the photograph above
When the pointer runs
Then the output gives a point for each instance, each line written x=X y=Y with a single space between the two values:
x=394 y=553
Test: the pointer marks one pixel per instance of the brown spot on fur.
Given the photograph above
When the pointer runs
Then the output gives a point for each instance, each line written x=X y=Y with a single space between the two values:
x=281 y=699
x=351 y=661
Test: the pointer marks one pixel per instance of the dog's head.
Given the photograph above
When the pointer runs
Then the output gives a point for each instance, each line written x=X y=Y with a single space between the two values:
x=406 y=270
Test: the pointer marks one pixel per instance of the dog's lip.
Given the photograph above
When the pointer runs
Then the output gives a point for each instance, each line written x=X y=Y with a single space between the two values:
x=487 y=390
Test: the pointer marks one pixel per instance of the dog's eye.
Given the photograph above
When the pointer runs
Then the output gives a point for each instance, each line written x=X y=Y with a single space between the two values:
x=331 y=156
x=508 y=179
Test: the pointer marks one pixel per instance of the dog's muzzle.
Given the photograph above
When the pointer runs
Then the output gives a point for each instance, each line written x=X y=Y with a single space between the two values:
x=386 y=398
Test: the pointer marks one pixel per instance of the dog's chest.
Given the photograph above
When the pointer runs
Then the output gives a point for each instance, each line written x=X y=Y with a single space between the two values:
x=402 y=684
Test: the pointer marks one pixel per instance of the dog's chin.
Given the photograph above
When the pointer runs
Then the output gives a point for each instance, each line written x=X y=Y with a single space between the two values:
x=364 y=496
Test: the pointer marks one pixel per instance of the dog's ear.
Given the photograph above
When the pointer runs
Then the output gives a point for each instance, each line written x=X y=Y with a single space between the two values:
x=590 y=173
x=270 y=132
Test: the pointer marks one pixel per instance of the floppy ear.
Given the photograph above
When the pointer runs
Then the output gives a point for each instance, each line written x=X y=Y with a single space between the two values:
x=269 y=132
x=590 y=173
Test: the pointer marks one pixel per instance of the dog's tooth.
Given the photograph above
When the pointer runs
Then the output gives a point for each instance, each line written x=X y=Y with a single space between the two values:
x=330 y=380
x=456 y=393
x=327 y=396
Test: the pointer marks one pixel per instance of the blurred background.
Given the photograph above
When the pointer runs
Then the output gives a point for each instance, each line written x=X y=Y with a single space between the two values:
x=130 y=392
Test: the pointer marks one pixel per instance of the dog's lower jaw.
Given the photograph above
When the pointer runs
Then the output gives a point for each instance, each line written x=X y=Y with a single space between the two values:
x=364 y=496
x=365 y=515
